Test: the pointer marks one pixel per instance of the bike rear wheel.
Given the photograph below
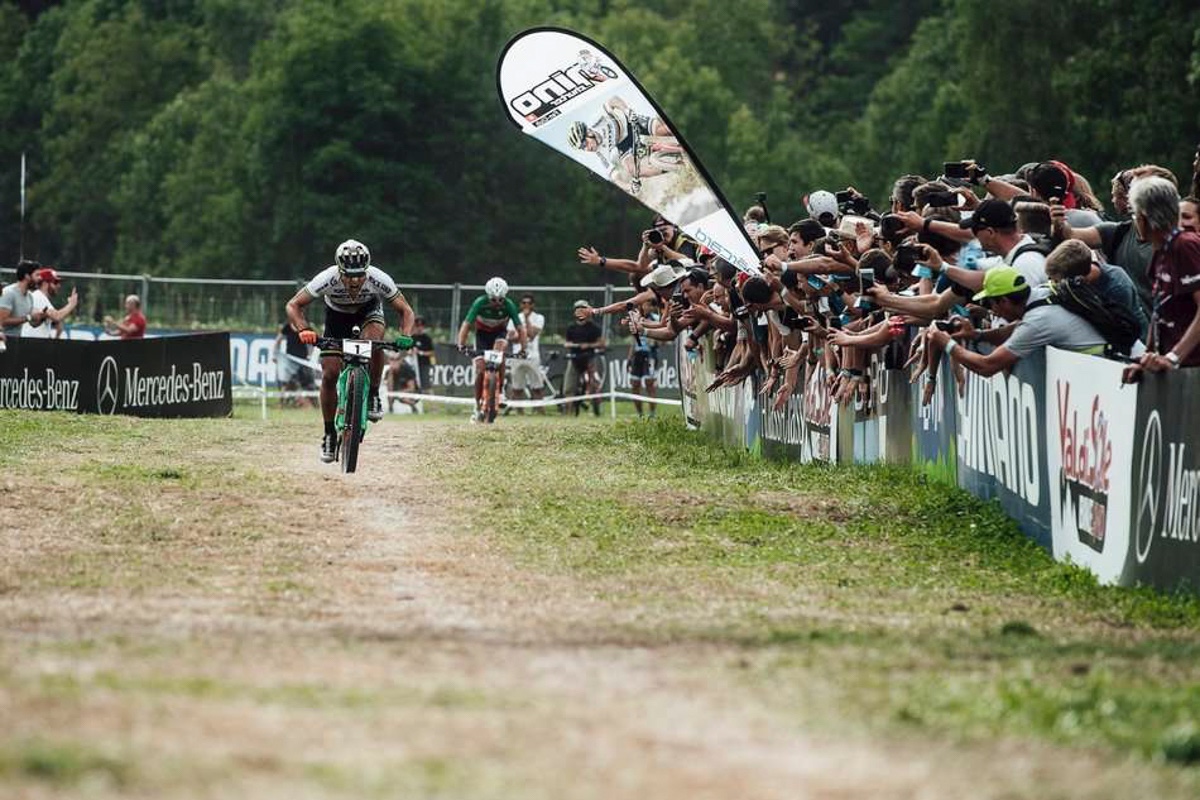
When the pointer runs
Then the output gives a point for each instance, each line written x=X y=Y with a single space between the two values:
x=356 y=395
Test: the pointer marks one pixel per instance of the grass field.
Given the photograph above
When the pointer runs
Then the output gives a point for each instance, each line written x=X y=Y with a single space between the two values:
x=551 y=608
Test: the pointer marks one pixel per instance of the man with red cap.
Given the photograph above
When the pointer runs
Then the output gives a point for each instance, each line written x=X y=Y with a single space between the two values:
x=51 y=324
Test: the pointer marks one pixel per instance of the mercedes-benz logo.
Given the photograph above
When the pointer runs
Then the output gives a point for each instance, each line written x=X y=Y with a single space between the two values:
x=107 y=385
x=1148 y=488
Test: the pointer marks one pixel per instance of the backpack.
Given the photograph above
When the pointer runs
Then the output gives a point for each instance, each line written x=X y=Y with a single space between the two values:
x=1118 y=325
x=1041 y=244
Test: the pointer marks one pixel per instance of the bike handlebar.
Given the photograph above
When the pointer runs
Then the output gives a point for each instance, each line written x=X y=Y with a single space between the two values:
x=402 y=343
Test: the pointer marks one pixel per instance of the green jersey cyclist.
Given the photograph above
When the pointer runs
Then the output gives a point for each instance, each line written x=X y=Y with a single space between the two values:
x=354 y=293
x=490 y=314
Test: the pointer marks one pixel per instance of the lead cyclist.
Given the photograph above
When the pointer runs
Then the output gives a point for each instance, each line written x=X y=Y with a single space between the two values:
x=490 y=314
x=354 y=293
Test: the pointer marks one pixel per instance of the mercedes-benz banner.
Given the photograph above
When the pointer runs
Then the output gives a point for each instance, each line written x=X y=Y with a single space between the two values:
x=168 y=376
x=570 y=93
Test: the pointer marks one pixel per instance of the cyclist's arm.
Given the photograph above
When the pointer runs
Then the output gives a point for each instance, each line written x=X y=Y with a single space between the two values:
x=472 y=313
x=401 y=307
x=295 y=308
x=463 y=330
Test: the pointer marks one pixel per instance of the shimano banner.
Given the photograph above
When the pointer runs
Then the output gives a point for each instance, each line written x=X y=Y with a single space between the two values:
x=170 y=376
x=570 y=93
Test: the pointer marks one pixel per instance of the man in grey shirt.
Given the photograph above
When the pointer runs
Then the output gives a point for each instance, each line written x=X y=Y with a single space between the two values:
x=16 y=301
x=1009 y=296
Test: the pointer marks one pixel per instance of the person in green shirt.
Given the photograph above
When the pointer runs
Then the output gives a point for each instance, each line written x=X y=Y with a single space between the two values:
x=490 y=315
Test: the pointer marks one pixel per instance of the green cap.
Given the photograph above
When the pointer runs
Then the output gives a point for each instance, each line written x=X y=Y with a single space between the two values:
x=1001 y=281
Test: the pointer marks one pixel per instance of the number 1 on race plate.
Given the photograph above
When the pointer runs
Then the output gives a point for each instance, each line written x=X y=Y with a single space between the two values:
x=356 y=347
x=493 y=356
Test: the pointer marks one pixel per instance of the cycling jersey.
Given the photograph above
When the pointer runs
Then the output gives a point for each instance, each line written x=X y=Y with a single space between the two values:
x=617 y=133
x=378 y=286
x=488 y=317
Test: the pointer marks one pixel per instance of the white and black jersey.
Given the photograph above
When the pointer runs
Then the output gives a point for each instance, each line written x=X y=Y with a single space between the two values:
x=618 y=132
x=378 y=287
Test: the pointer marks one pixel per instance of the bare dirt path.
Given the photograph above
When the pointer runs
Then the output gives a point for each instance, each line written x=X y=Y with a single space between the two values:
x=391 y=647
x=598 y=718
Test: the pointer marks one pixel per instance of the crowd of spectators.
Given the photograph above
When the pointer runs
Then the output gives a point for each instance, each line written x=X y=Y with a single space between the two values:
x=978 y=269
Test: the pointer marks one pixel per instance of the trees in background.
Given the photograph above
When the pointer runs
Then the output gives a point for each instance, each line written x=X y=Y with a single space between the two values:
x=222 y=138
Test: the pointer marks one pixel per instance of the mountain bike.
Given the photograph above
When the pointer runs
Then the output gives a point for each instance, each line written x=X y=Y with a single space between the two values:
x=493 y=360
x=353 y=381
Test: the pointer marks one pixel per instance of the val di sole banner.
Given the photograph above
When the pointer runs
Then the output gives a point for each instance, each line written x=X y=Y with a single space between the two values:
x=571 y=94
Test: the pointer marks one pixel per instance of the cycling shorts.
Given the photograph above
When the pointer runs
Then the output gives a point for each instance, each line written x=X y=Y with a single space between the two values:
x=486 y=340
x=340 y=324
x=642 y=366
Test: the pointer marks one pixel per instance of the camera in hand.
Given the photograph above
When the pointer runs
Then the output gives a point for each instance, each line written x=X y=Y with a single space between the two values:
x=891 y=228
x=948 y=325
x=907 y=256
x=741 y=312
x=654 y=236
x=806 y=323
x=957 y=169
x=941 y=199
x=852 y=203
x=680 y=299
x=832 y=245
x=867 y=276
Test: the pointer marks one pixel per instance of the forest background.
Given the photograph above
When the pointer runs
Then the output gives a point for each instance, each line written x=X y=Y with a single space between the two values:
x=223 y=138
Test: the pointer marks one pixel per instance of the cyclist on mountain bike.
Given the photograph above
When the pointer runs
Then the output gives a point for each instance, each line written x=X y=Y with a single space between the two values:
x=631 y=146
x=354 y=293
x=490 y=315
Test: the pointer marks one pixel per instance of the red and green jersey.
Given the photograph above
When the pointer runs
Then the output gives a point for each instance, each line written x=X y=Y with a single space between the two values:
x=488 y=317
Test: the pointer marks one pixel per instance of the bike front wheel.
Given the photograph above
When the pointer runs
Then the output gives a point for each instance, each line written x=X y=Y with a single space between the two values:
x=352 y=433
x=490 y=398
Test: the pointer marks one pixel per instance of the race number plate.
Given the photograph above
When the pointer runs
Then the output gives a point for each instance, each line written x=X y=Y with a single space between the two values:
x=356 y=347
x=493 y=357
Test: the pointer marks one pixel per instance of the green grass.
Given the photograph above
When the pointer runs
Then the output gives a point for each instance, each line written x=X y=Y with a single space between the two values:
x=864 y=597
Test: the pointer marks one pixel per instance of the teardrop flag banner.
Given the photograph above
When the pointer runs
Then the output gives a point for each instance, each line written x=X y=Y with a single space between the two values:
x=570 y=93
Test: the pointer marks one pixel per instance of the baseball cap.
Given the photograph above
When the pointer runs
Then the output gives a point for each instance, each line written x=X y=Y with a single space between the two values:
x=582 y=304
x=663 y=275
x=1001 y=281
x=991 y=214
x=820 y=203
x=47 y=274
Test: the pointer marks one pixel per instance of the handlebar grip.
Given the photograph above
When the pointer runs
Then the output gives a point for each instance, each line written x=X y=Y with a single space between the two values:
x=404 y=342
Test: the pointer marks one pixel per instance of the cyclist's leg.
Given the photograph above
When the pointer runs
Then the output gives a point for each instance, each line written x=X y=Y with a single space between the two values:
x=501 y=344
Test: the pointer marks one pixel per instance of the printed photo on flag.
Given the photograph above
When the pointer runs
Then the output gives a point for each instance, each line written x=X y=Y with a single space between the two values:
x=574 y=96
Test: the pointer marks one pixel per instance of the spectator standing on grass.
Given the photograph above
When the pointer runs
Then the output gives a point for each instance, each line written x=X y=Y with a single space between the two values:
x=291 y=364
x=526 y=373
x=643 y=360
x=1174 y=278
x=133 y=326
x=48 y=282
x=584 y=338
x=426 y=357
x=16 y=301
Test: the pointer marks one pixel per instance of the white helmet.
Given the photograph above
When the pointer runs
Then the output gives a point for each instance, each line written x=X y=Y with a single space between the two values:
x=577 y=135
x=496 y=288
x=352 y=257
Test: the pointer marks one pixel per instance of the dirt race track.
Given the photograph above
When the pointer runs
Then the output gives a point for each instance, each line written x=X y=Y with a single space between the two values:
x=389 y=647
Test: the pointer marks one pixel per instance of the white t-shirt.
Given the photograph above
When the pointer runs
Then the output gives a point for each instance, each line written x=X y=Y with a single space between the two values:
x=1031 y=264
x=46 y=329
x=531 y=347
x=328 y=284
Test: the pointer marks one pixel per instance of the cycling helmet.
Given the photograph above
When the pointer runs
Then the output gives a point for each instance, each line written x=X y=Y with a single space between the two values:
x=496 y=288
x=353 y=257
x=577 y=136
